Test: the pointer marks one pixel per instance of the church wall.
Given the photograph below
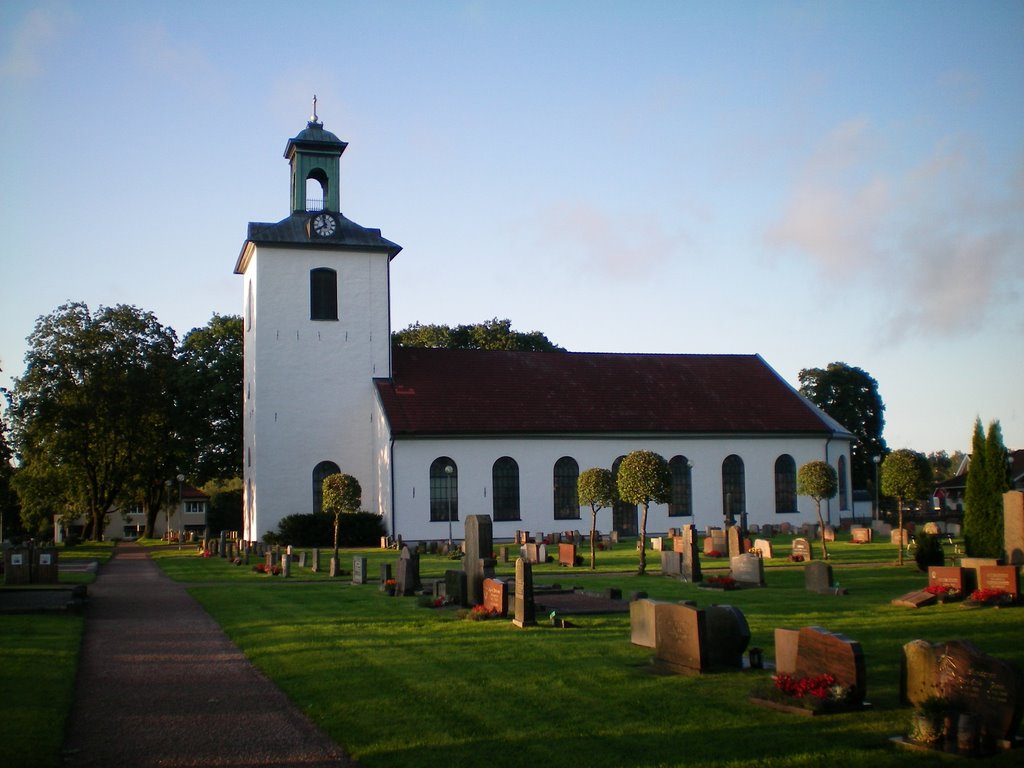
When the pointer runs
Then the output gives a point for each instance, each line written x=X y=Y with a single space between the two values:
x=536 y=457
x=309 y=391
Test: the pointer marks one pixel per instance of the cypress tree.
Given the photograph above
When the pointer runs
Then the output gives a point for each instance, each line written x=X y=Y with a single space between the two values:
x=974 y=495
x=998 y=471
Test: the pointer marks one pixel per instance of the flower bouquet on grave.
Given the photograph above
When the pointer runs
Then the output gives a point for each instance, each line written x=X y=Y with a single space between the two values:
x=796 y=558
x=927 y=722
x=944 y=593
x=390 y=586
x=721 y=582
x=997 y=597
x=477 y=613
x=713 y=553
x=819 y=694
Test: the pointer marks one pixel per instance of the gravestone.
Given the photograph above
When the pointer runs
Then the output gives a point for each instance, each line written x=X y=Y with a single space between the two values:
x=478 y=563
x=719 y=541
x=496 y=596
x=302 y=559
x=455 y=588
x=407 y=579
x=899 y=537
x=787 y=643
x=567 y=555
x=385 y=576
x=530 y=552
x=916 y=599
x=270 y=560
x=820 y=651
x=818 y=577
x=747 y=569
x=334 y=570
x=727 y=636
x=358 y=569
x=657 y=543
x=223 y=544
x=690 y=563
x=947 y=576
x=1001 y=577
x=680 y=632
x=525 y=611
x=764 y=548
x=286 y=565
x=972 y=570
x=785 y=528
x=671 y=563
x=503 y=553
x=315 y=565
x=802 y=548
x=734 y=541
x=538 y=538
x=830 y=533
x=989 y=688
x=44 y=566
x=1013 y=527
x=642 y=624
x=860 y=535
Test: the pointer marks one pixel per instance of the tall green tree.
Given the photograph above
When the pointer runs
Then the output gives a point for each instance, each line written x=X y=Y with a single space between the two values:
x=342 y=495
x=595 y=487
x=905 y=476
x=644 y=477
x=988 y=478
x=850 y=396
x=490 y=334
x=211 y=389
x=8 y=499
x=92 y=395
x=818 y=480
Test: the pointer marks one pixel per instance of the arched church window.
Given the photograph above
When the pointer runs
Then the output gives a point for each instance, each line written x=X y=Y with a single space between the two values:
x=734 y=501
x=566 y=496
x=844 y=499
x=321 y=471
x=323 y=294
x=505 y=489
x=444 y=490
x=681 y=503
x=785 y=485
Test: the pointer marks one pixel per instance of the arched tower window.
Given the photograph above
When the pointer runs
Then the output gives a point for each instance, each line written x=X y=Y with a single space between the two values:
x=505 y=489
x=320 y=471
x=734 y=501
x=444 y=490
x=844 y=499
x=785 y=484
x=316 y=190
x=566 y=497
x=323 y=294
x=681 y=504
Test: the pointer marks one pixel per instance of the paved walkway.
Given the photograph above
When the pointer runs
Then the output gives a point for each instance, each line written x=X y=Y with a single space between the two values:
x=159 y=684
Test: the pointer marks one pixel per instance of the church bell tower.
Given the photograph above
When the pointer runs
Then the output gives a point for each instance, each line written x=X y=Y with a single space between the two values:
x=316 y=291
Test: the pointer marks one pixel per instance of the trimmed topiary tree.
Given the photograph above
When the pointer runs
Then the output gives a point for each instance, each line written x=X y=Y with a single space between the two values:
x=644 y=477
x=818 y=479
x=596 y=488
x=342 y=495
x=904 y=473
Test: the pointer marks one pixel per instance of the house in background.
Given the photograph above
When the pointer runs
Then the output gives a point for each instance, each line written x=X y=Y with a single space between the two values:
x=434 y=435
x=948 y=496
x=189 y=514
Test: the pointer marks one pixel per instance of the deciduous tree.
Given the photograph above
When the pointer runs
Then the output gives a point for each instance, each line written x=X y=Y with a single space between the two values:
x=818 y=479
x=491 y=334
x=595 y=488
x=904 y=477
x=342 y=495
x=850 y=396
x=644 y=477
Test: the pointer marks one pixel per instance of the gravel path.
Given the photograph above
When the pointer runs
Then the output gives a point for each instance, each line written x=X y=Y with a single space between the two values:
x=159 y=684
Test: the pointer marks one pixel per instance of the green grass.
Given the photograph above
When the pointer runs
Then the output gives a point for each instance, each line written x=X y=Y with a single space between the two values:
x=399 y=685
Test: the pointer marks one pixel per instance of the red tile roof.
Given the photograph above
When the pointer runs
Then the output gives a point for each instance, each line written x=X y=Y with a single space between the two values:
x=473 y=392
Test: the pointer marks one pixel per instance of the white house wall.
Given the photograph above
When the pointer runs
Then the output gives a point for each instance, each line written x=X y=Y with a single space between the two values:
x=536 y=459
x=309 y=394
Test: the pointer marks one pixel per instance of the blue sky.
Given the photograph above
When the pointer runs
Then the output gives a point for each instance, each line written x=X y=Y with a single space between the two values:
x=813 y=182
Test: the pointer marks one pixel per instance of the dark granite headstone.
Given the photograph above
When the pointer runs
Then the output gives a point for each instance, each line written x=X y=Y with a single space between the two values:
x=820 y=652
x=680 y=638
x=455 y=587
x=989 y=688
x=408 y=573
x=385 y=575
x=496 y=596
x=525 y=611
x=747 y=569
x=44 y=566
x=818 y=577
x=916 y=599
x=727 y=636
x=671 y=563
x=358 y=569
x=972 y=570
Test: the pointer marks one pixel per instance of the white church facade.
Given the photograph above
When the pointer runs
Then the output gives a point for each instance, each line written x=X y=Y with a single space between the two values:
x=435 y=435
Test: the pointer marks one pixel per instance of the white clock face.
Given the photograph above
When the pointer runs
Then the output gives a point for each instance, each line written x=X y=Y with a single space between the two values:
x=324 y=225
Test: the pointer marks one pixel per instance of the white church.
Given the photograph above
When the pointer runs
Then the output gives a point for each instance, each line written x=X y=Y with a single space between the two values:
x=434 y=435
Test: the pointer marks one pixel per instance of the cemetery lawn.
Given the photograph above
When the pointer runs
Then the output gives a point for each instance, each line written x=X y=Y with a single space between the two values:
x=400 y=685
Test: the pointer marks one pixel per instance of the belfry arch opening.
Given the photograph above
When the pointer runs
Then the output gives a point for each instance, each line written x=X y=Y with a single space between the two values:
x=316 y=190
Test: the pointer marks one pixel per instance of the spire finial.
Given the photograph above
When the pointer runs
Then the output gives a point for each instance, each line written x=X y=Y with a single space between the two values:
x=313 y=121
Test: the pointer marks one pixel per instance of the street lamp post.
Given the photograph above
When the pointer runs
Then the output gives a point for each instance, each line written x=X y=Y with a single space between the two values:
x=449 y=470
x=877 y=460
